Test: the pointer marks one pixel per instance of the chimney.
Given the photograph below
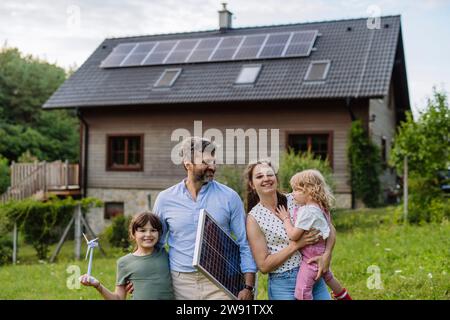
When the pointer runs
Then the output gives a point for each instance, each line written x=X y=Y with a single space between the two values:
x=224 y=18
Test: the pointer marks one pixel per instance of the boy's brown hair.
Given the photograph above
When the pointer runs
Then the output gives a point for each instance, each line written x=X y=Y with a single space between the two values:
x=141 y=219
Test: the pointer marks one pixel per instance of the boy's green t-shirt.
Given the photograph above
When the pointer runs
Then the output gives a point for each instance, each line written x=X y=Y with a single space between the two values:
x=149 y=274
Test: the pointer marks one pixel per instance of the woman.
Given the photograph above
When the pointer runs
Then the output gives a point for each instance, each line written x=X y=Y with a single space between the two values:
x=274 y=253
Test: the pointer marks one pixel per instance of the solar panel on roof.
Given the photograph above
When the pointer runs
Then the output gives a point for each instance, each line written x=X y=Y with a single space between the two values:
x=119 y=53
x=181 y=52
x=217 y=256
x=204 y=50
x=226 y=48
x=274 y=45
x=250 y=47
x=301 y=43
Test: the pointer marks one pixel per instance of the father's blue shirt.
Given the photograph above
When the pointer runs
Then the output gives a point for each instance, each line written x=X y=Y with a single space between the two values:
x=179 y=215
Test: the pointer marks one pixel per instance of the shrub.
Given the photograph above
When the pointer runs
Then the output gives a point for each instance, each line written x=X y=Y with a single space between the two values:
x=232 y=176
x=42 y=222
x=292 y=162
x=6 y=250
x=4 y=174
x=117 y=232
x=364 y=165
x=425 y=144
x=426 y=203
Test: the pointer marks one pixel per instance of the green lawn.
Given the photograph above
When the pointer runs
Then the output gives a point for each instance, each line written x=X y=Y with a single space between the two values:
x=413 y=261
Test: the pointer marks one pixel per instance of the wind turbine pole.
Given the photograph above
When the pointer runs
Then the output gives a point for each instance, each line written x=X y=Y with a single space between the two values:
x=91 y=253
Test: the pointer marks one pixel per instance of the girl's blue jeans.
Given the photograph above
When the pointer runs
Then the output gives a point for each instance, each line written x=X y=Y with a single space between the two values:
x=281 y=286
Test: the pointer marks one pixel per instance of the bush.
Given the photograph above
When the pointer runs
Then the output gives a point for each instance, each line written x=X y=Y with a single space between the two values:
x=4 y=174
x=42 y=222
x=292 y=162
x=117 y=232
x=6 y=250
x=425 y=144
x=232 y=176
x=426 y=203
x=364 y=165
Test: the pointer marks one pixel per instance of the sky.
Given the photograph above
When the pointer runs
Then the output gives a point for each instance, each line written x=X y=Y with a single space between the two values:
x=66 y=32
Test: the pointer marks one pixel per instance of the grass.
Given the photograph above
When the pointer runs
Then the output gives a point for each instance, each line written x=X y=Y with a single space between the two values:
x=413 y=263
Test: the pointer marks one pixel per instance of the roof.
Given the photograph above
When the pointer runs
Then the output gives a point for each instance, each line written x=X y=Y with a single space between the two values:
x=362 y=61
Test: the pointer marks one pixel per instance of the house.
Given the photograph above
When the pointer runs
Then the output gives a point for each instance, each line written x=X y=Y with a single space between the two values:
x=308 y=80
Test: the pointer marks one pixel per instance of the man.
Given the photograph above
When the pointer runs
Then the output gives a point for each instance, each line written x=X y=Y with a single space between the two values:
x=178 y=208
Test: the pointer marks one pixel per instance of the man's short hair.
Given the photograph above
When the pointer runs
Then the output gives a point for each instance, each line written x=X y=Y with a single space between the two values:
x=191 y=145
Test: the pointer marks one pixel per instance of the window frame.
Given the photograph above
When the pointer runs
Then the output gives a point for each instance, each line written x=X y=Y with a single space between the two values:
x=327 y=69
x=109 y=166
x=156 y=84
x=330 y=141
x=253 y=65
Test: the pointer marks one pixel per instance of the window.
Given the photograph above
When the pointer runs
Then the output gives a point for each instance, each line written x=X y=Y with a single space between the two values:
x=113 y=209
x=249 y=74
x=317 y=70
x=167 y=78
x=125 y=152
x=318 y=144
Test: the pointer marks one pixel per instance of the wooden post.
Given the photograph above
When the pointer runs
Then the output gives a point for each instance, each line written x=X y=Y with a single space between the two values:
x=405 y=188
x=66 y=168
x=14 y=257
x=78 y=232
x=12 y=174
x=44 y=175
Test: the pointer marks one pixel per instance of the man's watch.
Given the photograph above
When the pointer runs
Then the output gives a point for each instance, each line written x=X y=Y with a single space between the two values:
x=248 y=287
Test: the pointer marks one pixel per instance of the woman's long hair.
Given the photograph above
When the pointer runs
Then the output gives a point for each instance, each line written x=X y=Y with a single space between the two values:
x=252 y=197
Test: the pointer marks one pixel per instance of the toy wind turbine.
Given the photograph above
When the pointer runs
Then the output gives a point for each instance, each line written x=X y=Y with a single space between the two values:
x=90 y=251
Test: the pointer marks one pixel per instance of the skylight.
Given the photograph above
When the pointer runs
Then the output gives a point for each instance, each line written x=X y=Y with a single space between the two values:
x=167 y=78
x=318 y=70
x=249 y=74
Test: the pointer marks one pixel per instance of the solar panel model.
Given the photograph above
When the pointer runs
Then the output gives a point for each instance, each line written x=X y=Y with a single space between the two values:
x=217 y=256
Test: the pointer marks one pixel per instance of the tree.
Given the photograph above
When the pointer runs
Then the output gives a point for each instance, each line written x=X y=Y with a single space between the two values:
x=25 y=84
x=364 y=164
x=425 y=141
x=4 y=174
x=426 y=144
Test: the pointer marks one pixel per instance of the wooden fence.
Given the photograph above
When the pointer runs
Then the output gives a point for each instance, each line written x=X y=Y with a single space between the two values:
x=28 y=179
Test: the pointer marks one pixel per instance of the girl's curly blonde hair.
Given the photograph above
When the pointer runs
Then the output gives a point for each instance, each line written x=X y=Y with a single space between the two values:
x=313 y=184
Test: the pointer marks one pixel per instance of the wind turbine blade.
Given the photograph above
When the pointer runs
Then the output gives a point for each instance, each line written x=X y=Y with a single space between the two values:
x=85 y=237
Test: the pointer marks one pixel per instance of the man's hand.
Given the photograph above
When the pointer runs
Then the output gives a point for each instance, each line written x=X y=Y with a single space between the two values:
x=323 y=264
x=129 y=287
x=245 y=294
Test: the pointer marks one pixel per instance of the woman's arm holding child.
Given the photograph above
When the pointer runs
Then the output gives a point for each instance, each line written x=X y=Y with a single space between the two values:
x=265 y=261
x=292 y=232
x=118 y=294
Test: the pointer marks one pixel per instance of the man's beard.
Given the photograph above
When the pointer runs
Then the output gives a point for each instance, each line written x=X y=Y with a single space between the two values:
x=205 y=176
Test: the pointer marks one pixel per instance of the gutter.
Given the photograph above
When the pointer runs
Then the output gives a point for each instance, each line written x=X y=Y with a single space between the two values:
x=85 y=151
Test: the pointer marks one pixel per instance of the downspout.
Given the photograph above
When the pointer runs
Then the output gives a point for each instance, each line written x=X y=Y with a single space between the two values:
x=350 y=111
x=85 y=151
